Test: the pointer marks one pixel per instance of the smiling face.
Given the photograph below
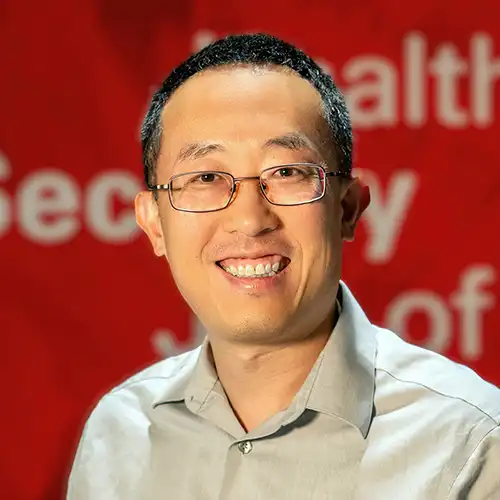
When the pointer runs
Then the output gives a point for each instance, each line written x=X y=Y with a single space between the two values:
x=282 y=263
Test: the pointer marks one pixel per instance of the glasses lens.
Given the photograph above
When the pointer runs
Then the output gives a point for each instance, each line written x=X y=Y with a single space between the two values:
x=293 y=184
x=201 y=191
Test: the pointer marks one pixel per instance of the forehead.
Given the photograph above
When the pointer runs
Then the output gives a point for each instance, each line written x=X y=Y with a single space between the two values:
x=241 y=104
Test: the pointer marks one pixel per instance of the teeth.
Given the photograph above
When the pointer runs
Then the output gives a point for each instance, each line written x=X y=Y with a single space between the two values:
x=249 y=270
x=259 y=271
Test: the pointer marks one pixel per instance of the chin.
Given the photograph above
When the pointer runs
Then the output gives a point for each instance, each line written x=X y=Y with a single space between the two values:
x=256 y=328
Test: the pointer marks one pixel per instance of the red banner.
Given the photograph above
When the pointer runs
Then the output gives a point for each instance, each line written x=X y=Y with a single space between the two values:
x=83 y=301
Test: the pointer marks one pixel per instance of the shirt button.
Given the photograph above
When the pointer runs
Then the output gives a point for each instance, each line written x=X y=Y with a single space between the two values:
x=245 y=447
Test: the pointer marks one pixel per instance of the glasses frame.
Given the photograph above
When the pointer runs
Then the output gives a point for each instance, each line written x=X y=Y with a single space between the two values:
x=236 y=180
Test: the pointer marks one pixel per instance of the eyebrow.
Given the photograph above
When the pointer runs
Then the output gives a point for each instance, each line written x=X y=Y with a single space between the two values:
x=198 y=150
x=293 y=141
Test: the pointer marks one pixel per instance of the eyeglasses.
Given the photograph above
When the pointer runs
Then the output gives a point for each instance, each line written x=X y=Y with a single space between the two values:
x=283 y=185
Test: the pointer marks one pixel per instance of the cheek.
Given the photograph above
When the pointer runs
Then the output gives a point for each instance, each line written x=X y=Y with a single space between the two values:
x=317 y=231
x=316 y=227
x=185 y=237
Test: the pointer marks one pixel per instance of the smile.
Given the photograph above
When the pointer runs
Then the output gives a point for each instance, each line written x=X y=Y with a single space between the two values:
x=264 y=267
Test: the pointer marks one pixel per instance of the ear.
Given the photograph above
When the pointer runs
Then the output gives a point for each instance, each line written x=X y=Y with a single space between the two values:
x=355 y=198
x=148 y=219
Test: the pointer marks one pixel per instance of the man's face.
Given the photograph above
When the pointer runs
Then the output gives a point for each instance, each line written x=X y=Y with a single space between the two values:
x=239 y=117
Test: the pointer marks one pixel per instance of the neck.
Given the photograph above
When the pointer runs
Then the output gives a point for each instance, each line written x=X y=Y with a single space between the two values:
x=260 y=381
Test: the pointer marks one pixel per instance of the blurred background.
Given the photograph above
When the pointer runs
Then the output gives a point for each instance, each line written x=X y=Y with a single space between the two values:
x=83 y=301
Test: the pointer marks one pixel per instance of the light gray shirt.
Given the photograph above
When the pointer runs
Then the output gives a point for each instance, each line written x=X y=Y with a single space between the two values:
x=376 y=419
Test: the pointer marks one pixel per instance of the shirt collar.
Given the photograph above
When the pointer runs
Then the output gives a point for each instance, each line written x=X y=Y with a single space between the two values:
x=344 y=378
x=194 y=381
x=341 y=383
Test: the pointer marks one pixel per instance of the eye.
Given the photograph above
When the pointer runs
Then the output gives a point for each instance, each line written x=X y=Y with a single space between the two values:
x=286 y=172
x=291 y=172
x=206 y=178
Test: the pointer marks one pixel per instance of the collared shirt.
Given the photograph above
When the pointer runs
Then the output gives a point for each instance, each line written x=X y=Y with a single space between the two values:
x=377 y=419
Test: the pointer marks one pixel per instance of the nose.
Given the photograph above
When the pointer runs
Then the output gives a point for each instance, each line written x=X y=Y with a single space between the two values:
x=249 y=212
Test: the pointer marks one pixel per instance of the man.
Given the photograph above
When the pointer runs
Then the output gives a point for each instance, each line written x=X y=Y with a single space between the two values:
x=295 y=394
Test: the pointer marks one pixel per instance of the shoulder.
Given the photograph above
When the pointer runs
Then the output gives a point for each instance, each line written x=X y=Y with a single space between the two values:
x=116 y=438
x=167 y=373
x=430 y=376
x=137 y=395
x=441 y=409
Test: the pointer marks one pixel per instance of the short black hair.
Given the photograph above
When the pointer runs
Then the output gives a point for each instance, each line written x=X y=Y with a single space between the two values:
x=259 y=50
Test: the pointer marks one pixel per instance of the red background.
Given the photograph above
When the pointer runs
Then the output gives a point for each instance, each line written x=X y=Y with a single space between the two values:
x=78 y=311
